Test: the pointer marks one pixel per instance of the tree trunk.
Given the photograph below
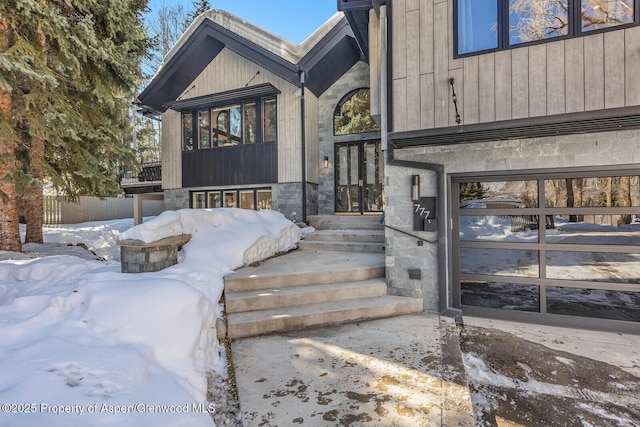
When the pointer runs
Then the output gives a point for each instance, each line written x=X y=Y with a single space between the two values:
x=635 y=190
x=625 y=196
x=578 y=196
x=9 y=228
x=34 y=213
x=609 y=196
x=571 y=199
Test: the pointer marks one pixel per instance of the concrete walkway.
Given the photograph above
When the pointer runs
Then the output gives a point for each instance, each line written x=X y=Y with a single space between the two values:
x=401 y=371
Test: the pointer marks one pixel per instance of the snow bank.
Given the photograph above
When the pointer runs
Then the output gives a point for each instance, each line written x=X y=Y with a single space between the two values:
x=125 y=349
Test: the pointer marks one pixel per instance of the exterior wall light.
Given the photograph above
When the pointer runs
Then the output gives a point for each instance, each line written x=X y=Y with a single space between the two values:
x=415 y=187
x=326 y=162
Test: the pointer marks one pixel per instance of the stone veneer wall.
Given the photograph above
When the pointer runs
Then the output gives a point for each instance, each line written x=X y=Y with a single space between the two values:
x=357 y=77
x=604 y=150
x=402 y=251
x=139 y=257
x=176 y=198
x=287 y=199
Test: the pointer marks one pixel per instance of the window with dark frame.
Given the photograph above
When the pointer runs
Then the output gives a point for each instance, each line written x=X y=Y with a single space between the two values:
x=187 y=131
x=485 y=26
x=204 y=128
x=270 y=120
x=231 y=125
x=251 y=198
x=250 y=123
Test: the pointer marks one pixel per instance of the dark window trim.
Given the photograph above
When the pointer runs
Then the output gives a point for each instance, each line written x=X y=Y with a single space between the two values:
x=221 y=99
x=221 y=192
x=344 y=99
x=575 y=28
x=260 y=104
x=259 y=138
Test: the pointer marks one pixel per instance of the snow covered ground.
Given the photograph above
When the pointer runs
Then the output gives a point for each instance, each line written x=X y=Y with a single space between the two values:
x=84 y=344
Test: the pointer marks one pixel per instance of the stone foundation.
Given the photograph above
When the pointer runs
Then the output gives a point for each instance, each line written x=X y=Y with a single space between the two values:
x=137 y=256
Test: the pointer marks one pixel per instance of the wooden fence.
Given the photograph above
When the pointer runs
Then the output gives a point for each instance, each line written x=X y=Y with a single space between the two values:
x=59 y=210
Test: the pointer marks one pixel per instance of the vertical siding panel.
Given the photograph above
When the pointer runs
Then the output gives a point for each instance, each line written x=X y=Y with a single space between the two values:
x=283 y=138
x=399 y=40
x=427 y=97
x=594 y=72
x=426 y=36
x=470 y=90
x=412 y=5
x=632 y=66
x=453 y=63
x=171 y=150
x=312 y=145
x=413 y=70
x=486 y=82
x=614 y=69
x=399 y=105
x=458 y=75
x=538 y=80
x=574 y=55
x=441 y=64
x=556 y=91
x=503 y=84
x=520 y=83
x=293 y=130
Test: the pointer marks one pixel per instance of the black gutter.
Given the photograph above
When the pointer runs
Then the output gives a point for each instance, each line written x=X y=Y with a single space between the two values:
x=610 y=119
x=302 y=76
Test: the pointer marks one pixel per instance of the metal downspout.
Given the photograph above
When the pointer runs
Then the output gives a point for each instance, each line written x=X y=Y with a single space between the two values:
x=302 y=75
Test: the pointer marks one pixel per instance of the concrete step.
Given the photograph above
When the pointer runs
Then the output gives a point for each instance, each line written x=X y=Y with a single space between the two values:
x=342 y=246
x=256 y=281
x=345 y=222
x=237 y=302
x=346 y=236
x=254 y=323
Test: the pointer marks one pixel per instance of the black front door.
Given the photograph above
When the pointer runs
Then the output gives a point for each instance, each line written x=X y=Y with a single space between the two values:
x=359 y=177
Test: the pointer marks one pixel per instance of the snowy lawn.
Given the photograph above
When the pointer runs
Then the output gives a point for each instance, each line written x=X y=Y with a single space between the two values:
x=84 y=344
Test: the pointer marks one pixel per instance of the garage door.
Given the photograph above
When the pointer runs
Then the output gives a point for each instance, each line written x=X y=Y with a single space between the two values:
x=559 y=248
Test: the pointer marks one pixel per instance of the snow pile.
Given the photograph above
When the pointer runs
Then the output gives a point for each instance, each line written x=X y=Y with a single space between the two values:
x=83 y=344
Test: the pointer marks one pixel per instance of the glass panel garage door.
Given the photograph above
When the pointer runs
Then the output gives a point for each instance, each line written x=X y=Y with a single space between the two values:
x=549 y=249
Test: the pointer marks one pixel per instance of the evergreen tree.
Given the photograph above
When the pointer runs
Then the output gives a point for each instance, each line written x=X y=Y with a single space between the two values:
x=71 y=67
x=9 y=229
x=199 y=7
x=472 y=191
x=354 y=116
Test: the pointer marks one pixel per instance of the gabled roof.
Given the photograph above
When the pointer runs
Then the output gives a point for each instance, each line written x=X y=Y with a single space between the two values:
x=325 y=55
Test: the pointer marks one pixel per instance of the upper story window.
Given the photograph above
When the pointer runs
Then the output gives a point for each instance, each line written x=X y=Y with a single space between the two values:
x=187 y=131
x=353 y=114
x=488 y=25
x=230 y=125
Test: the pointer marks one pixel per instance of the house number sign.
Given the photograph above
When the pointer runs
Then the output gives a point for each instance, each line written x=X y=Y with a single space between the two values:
x=424 y=214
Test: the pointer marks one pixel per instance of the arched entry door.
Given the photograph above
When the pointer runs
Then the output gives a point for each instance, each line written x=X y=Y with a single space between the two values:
x=359 y=164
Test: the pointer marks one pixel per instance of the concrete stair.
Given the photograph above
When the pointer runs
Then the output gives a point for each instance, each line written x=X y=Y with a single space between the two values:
x=345 y=240
x=345 y=222
x=337 y=276
x=254 y=323
x=346 y=233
